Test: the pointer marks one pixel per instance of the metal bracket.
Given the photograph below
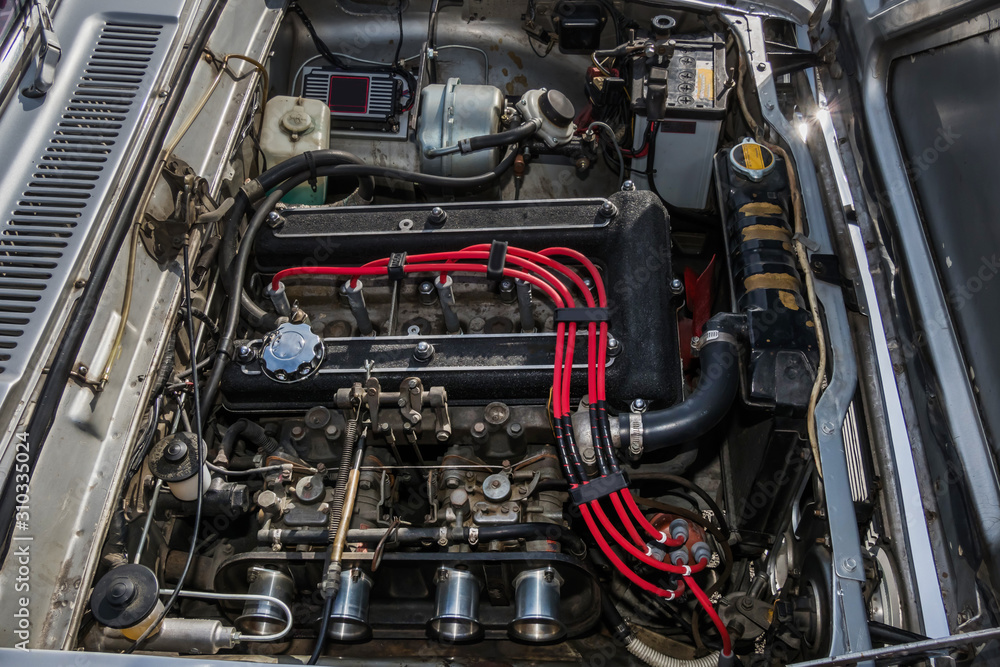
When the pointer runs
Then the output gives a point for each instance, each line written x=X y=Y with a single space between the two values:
x=171 y=212
x=827 y=268
x=787 y=59
x=49 y=53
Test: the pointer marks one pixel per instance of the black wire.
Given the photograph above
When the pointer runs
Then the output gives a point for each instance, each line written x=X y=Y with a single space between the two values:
x=531 y=43
x=317 y=41
x=324 y=623
x=260 y=151
x=213 y=327
x=677 y=480
x=337 y=62
x=201 y=473
x=145 y=441
x=399 y=44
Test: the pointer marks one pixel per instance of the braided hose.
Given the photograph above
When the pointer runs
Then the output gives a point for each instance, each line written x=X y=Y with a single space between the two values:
x=340 y=490
x=654 y=658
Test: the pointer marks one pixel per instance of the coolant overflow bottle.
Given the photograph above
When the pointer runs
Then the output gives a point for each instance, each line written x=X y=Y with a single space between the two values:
x=292 y=126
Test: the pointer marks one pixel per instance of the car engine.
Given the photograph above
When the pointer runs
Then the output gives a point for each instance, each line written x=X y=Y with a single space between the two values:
x=503 y=369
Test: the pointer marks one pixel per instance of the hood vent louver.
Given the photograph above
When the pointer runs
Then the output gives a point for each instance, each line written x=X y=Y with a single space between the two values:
x=95 y=110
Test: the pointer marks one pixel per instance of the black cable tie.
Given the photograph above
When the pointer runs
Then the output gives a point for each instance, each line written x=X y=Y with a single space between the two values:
x=397 y=261
x=581 y=315
x=497 y=260
x=598 y=488
x=311 y=163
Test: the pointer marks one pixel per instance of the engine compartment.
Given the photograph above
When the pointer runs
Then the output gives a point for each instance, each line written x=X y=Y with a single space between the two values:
x=517 y=372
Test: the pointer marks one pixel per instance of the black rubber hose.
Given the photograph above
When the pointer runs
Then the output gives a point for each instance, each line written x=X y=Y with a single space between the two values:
x=620 y=630
x=892 y=636
x=709 y=403
x=256 y=316
x=252 y=432
x=458 y=183
x=533 y=531
x=235 y=276
x=328 y=157
x=323 y=625
x=512 y=136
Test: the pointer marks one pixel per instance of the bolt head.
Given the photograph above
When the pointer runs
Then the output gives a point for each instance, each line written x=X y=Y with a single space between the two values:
x=438 y=216
x=628 y=186
x=423 y=351
x=614 y=346
x=761 y=67
x=677 y=286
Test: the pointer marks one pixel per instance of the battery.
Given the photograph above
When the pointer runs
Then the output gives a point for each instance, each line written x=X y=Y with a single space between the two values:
x=685 y=100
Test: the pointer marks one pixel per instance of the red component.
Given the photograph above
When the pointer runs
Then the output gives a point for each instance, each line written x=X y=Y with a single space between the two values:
x=699 y=295
x=593 y=73
x=519 y=166
x=727 y=643
x=584 y=118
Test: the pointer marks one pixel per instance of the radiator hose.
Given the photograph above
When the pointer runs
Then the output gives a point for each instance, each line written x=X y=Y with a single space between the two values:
x=710 y=401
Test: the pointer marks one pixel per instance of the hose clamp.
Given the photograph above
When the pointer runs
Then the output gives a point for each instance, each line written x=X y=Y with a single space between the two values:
x=712 y=336
x=635 y=434
x=474 y=535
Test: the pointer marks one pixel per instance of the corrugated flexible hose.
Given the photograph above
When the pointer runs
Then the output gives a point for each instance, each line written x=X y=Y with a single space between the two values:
x=654 y=658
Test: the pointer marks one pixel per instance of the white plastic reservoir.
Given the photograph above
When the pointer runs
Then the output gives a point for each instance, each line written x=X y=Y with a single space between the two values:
x=292 y=126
